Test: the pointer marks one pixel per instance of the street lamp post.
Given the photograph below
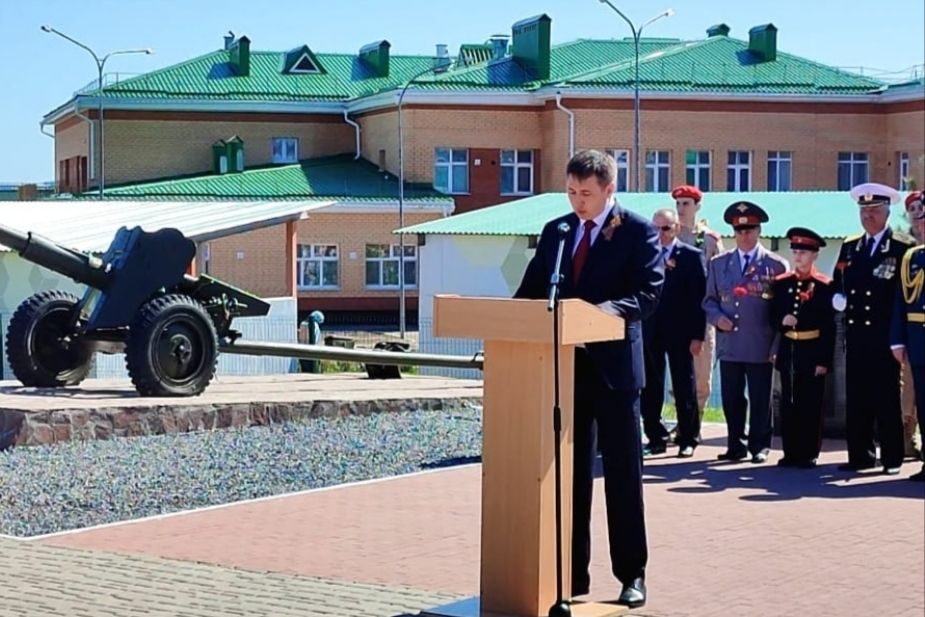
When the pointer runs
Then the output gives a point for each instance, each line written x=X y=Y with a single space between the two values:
x=100 y=63
x=401 y=196
x=637 y=34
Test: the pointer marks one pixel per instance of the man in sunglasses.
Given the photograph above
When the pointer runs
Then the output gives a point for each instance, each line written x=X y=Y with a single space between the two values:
x=675 y=330
x=696 y=233
x=738 y=304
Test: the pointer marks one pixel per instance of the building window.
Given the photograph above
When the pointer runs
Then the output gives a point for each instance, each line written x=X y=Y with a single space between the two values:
x=903 y=171
x=622 y=158
x=852 y=169
x=317 y=266
x=451 y=170
x=779 y=166
x=285 y=150
x=658 y=170
x=382 y=265
x=517 y=172
x=739 y=171
x=698 y=168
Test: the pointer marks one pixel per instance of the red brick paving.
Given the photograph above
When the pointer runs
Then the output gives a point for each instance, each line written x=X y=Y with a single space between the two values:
x=729 y=540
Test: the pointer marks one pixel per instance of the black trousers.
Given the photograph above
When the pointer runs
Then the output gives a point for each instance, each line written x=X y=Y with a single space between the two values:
x=735 y=377
x=609 y=419
x=801 y=414
x=873 y=398
x=684 y=386
x=918 y=381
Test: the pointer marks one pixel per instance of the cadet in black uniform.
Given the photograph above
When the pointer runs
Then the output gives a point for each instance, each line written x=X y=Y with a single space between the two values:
x=801 y=309
x=865 y=286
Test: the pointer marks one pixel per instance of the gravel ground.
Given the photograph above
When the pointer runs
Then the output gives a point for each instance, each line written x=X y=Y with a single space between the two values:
x=78 y=484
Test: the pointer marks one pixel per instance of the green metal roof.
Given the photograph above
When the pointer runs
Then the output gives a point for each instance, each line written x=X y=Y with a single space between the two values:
x=717 y=64
x=339 y=176
x=723 y=64
x=212 y=76
x=832 y=214
x=473 y=53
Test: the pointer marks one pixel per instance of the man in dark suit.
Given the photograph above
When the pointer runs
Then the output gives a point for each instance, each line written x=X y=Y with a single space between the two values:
x=865 y=284
x=610 y=260
x=676 y=329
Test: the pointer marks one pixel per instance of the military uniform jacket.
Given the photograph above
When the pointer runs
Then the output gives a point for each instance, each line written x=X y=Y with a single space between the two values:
x=703 y=238
x=869 y=285
x=810 y=301
x=908 y=322
x=744 y=298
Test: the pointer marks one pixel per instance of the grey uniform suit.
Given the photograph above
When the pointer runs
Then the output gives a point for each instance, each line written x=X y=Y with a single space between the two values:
x=745 y=352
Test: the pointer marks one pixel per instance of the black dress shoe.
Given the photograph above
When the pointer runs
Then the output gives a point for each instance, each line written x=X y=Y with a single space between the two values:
x=634 y=593
x=786 y=462
x=732 y=456
x=760 y=457
x=653 y=449
x=918 y=476
x=686 y=452
x=807 y=464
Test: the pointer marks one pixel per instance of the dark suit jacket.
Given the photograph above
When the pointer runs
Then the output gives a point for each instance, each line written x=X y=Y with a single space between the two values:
x=680 y=318
x=622 y=275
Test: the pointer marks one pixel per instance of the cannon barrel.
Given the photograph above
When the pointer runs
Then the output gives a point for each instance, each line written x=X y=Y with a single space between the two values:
x=42 y=251
x=322 y=352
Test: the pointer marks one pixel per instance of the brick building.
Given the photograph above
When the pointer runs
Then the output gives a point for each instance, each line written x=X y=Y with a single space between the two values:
x=495 y=122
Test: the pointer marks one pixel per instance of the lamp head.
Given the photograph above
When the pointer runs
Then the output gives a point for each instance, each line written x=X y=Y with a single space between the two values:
x=46 y=29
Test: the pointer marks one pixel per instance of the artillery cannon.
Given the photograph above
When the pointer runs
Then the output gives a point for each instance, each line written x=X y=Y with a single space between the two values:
x=139 y=300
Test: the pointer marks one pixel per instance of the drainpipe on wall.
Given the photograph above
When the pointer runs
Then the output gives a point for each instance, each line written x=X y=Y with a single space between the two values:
x=571 y=124
x=357 y=127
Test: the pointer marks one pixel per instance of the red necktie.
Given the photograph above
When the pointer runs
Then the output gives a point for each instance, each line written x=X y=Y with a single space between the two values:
x=581 y=253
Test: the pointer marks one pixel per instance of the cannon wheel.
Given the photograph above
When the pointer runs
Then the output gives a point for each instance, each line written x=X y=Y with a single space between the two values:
x=34 y=346
x=172 y=347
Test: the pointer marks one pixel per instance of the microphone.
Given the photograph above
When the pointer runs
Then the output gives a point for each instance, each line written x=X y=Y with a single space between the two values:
x=556 y=278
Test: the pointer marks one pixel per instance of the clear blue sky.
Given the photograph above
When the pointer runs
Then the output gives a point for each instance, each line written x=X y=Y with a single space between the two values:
x=40 y=71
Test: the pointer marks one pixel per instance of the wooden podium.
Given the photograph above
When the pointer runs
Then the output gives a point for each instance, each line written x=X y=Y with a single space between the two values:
x=518 y=559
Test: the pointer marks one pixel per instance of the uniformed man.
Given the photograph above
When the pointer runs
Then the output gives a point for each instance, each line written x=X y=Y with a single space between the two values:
x=907 y=335
x=865 y=282
x=801 y=310
x=738 y=304
x=696 y=233
x=914 y=211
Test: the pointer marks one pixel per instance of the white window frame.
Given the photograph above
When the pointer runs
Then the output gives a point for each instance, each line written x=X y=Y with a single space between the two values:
x=453 y=167
x=698 y=168
x=735 y=168
x=903 y=171
x=516 y=165
x=776 y=158
x=319 y=253
x=657 y=164
x=393 y=256
x=855 y=162
x=623 y=168
x=285 y=144
x=298 y=71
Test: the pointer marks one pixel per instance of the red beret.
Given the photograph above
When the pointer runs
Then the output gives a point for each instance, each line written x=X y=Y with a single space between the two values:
x=914 y=196
x=686 y=190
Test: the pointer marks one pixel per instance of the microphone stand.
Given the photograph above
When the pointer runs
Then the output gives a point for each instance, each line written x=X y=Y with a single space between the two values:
x=561 y=607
